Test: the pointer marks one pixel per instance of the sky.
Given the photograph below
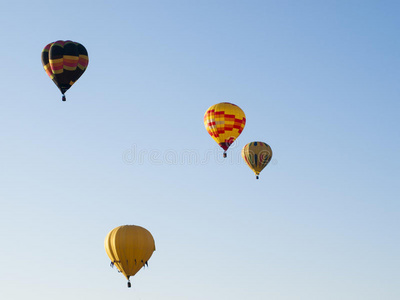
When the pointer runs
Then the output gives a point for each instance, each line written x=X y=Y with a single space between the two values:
x=317 y=80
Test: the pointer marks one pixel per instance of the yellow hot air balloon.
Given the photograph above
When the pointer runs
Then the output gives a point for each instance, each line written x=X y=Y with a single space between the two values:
x=129 y=247
x=224 y=122
x=257 y=155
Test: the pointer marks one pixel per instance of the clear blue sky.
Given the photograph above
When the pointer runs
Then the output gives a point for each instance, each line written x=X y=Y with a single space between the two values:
x=319 y=82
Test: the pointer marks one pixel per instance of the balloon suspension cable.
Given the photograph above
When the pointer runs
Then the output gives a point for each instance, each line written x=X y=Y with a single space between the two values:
x=224 y=154
x=129 y=284
x=256 y=176
x=63 y=98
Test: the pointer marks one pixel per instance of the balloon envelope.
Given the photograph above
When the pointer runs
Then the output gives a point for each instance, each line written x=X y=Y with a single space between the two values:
x=257 y=155
x=129 y=247
x=64 y=62
x=224 y=122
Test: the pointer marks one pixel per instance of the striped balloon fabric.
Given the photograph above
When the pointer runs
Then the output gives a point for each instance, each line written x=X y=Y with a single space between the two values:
x=64 y=62
x=224 y=122
x=257 y=155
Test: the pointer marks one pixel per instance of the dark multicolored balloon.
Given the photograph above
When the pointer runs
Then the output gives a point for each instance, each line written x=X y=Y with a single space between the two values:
x=64 y=62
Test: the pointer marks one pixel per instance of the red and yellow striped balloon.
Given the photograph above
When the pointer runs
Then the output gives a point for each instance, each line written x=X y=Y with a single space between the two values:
x=224 y=122
x=64 y=62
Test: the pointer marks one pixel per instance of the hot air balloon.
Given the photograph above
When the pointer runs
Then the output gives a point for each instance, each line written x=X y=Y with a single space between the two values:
x=64 y=62
x=257 y=155
x=224 y=122
x=129 y=247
